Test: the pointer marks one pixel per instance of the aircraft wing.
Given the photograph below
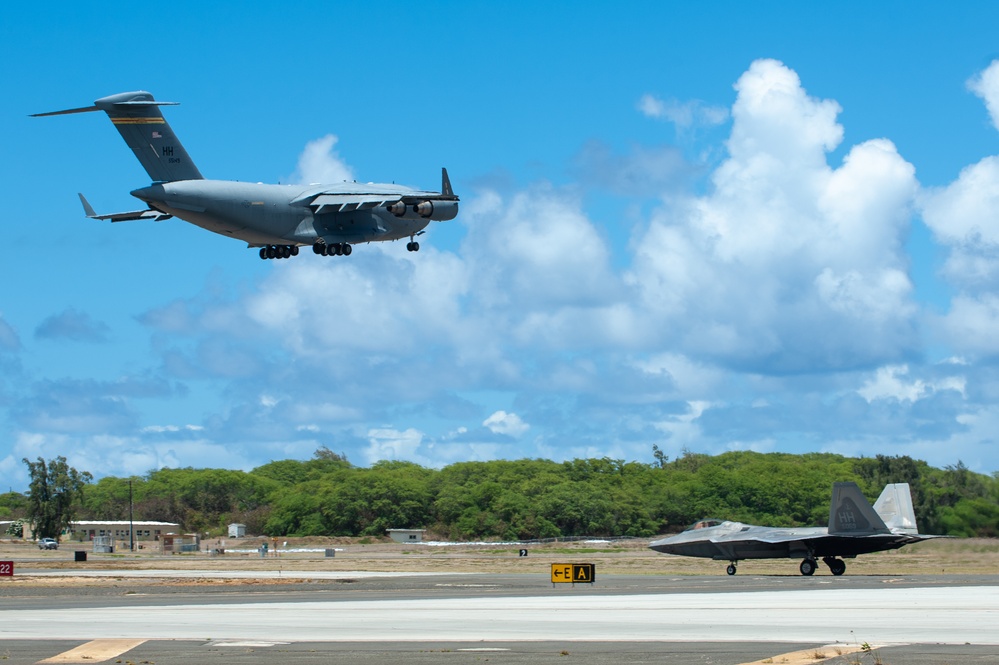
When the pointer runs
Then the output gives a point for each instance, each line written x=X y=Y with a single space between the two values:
x=130 y=216
x=775 y=536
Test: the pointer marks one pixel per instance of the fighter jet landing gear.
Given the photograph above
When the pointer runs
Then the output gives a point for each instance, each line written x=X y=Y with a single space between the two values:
x=836 y=566
x=731 y=568
x=412 y=246
x=335 y=249
x=278 y=251
x=808 y=567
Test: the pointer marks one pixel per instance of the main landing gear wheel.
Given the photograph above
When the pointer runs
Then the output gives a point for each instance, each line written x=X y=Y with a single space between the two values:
x=808 y=567
x=278 y=251
x=413 y=246
x=334 y=249
x=731 y=569
x=836 y=566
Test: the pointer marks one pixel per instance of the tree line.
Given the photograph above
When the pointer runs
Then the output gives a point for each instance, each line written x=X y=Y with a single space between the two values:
x=527 y=498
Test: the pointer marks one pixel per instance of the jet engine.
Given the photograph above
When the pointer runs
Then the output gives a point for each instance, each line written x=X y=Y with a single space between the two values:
x=440 y=211
x=398 y=208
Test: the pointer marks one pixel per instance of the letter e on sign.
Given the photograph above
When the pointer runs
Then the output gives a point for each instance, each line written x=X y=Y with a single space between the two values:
x=6 y=568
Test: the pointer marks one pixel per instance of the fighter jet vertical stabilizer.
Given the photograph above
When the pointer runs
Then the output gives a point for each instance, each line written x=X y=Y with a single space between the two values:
x=895 y=508
x=851 y=515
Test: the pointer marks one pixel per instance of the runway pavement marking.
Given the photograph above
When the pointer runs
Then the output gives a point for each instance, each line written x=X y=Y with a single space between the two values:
x=94 y=651
x=816 y=655
x=487 y=649
x=245 y=643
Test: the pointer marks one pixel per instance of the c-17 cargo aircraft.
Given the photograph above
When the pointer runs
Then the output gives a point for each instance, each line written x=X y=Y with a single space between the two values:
x=854 y=528
x=276 y=218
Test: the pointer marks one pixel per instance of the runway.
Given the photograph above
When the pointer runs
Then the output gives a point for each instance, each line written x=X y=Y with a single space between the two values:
x=413 y=614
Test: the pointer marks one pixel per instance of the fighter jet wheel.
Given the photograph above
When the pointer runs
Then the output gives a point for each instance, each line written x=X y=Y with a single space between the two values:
x=319 y=248
x=263 y=253
x=837 y=567
x=294 y=250
x=731 y=569
x=347 y=249
x=413 y=246
x=807 y=567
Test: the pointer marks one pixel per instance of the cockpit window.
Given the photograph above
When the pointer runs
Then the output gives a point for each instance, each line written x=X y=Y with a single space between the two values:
x=703 y=524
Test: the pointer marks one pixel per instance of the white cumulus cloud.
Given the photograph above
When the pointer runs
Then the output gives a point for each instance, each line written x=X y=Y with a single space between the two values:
x=321 y=163
x=510 y=424
x=986 y=86
x=787 y=262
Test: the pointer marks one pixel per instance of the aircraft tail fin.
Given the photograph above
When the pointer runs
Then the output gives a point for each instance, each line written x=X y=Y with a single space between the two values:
x=851 y=514
x=894 y=506
x=138 y=119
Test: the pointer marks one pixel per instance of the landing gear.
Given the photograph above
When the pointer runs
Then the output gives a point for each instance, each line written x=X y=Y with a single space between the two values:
x=278 y=251
x=731 y=568
x=333 y=249
x=808 y=567
x=836 y=566
x=413 y=246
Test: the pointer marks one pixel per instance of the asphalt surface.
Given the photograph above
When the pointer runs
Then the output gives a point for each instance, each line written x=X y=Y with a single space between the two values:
x=476 y=618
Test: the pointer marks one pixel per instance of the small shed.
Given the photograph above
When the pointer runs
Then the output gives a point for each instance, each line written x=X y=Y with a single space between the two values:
x=406 y=535
x=237 y=530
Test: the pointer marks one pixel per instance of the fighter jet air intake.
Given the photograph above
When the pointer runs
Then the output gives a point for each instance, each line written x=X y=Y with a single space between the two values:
x=854 y=528
x=276 y=218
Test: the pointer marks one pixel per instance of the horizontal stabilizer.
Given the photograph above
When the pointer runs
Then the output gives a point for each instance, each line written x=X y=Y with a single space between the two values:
x=95 y=107
x=154 y=215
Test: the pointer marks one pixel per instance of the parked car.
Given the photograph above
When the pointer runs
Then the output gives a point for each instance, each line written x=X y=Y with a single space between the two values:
x=48 y=544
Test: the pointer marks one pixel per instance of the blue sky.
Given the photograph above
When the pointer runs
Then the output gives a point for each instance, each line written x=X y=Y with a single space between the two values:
x=708 y=227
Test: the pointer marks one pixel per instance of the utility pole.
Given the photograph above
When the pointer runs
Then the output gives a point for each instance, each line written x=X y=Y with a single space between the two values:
x=131 y=524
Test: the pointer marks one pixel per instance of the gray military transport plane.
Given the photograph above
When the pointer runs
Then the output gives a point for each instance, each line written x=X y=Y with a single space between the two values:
x=854 y=528
x=276 y=218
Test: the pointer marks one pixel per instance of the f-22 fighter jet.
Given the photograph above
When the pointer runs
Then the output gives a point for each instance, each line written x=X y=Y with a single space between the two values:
x=276 y=218
x=854 y=528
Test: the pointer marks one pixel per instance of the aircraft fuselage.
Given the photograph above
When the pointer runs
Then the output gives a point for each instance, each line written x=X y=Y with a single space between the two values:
x=262 y=214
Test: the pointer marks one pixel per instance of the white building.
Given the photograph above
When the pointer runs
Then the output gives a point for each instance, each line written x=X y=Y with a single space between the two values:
x=87 y=530
x=406 y=535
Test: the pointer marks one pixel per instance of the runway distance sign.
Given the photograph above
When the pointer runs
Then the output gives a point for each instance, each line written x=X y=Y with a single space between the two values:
x=573 y=573
x=6 y=568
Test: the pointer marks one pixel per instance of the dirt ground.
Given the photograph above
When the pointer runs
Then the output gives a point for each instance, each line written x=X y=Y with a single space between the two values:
x=630 y=557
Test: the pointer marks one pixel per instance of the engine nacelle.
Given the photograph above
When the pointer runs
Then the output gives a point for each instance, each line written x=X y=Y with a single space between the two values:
x=398 y=208
x=440 y=211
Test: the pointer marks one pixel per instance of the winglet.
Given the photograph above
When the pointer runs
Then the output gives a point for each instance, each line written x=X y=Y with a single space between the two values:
x=446 y=184
x=87 y=208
